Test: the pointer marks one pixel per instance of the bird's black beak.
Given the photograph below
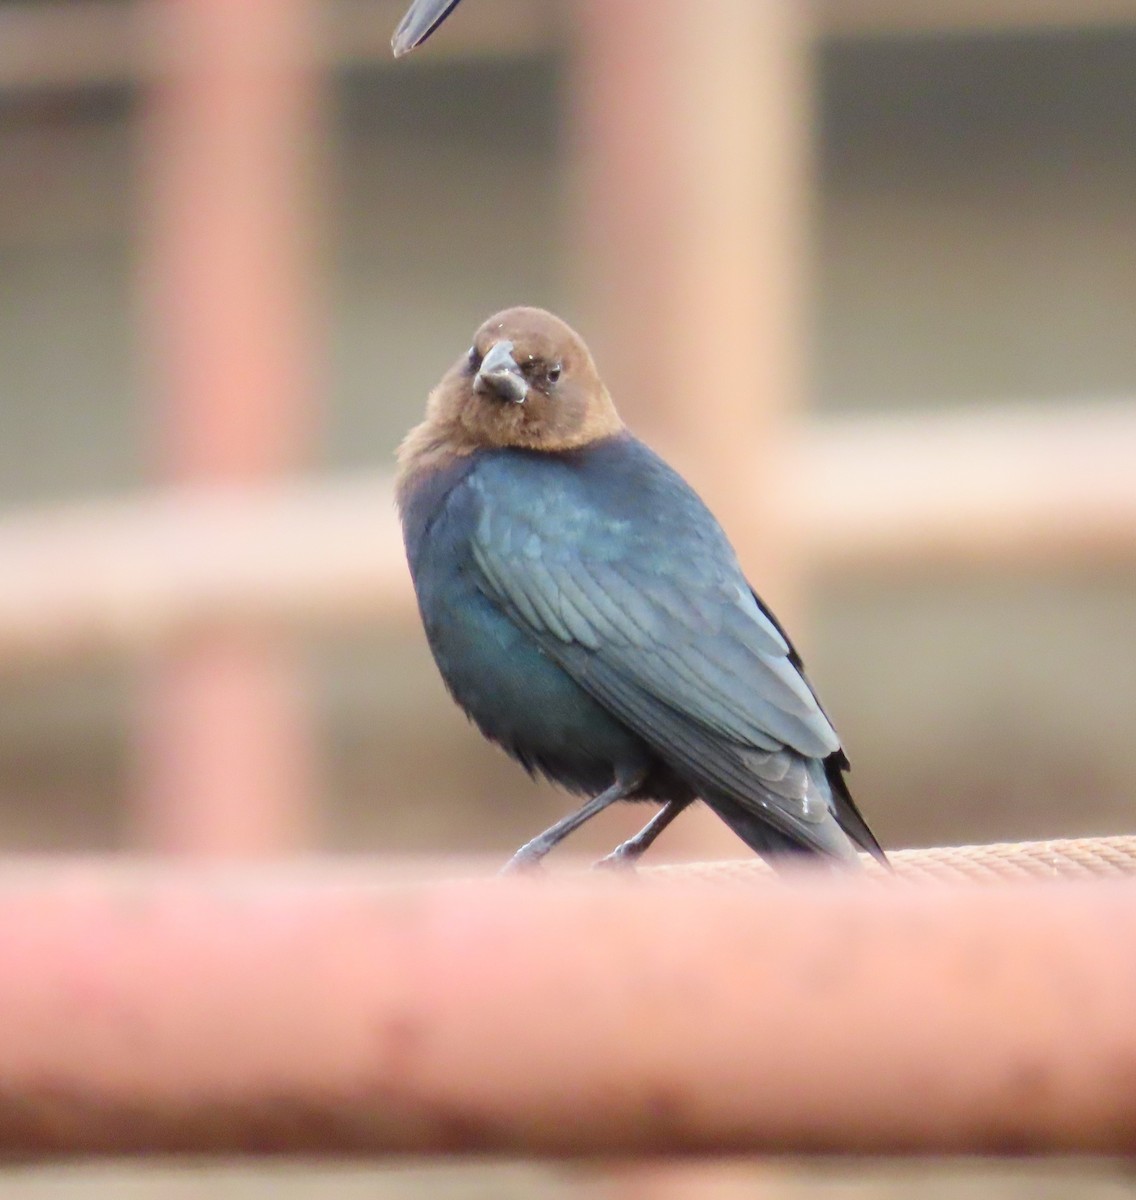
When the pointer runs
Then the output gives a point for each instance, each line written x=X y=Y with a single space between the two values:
x=422 y=18
x=500 y=376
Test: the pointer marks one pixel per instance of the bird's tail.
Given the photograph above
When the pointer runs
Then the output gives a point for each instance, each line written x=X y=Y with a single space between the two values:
x=845 y=810
x=830 y=844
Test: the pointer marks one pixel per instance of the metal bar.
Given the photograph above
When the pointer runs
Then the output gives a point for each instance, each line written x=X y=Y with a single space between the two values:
x=126 y=576
x=57 y=44
x=228 y=135
x=692 y=128
x=890 y=18
x=692 y=135
x=321 y=1011
x=1000 y=489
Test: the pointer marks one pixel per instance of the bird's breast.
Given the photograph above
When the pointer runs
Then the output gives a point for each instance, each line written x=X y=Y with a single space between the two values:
x=515 y=694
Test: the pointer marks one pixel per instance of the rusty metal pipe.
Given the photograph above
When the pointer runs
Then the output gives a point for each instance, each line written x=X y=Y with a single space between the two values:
x=313 y=1010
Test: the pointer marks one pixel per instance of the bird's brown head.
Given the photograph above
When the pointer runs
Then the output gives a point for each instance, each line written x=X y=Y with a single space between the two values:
x=527 y=381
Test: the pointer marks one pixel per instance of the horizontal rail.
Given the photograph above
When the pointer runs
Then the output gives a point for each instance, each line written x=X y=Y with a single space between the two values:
x=57 y=44
x=867 y=18
x=996 y=488
x=125 y=575
x=1051 y=859
x=306 y=1010
x=1005 y=485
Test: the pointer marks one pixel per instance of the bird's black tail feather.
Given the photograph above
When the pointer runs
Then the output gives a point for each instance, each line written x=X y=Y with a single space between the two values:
x=836 y=841
x=772 y=844
x=847 y=814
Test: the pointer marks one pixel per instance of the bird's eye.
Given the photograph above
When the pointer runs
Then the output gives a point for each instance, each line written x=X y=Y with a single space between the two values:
x=553 y=373
x=473 y=358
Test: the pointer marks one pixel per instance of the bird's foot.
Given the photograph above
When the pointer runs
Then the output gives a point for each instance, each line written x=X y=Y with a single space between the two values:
x=523 y=863
x=622 y=858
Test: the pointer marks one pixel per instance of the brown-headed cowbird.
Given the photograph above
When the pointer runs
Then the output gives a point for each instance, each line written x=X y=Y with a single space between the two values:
x=420 y=21
x=587 y=612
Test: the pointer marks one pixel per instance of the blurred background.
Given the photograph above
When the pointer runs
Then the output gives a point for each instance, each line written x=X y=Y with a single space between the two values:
x=867 y=274
x=864 y=270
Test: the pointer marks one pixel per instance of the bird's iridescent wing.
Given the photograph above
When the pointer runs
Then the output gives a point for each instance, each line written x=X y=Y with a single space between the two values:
x=635 y=591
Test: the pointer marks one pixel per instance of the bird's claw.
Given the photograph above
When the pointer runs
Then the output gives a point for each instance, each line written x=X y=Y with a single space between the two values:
x=620 y=859
x=523 y=864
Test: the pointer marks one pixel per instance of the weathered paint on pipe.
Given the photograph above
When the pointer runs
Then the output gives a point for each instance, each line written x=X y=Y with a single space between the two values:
x=312 y=1010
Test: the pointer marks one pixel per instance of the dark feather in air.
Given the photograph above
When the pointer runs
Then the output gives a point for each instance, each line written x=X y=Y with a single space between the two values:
x=419 y=22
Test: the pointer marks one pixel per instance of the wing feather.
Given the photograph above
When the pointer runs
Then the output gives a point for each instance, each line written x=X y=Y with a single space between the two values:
x=660 y=626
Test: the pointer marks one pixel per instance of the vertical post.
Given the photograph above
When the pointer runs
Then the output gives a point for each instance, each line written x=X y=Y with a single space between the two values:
x=692 y=137
x=227 y=158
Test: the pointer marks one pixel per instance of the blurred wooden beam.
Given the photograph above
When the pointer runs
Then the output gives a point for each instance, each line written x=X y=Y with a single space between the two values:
x=127 y=576
x=229 y=130
x=1010 y=487
x=889 y=18
x=1018 y=488
x=320 y=1010
x=61 y=44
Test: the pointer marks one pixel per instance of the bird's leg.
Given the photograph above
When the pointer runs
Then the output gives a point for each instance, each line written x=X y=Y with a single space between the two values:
x=530 y=854
x=631 y=850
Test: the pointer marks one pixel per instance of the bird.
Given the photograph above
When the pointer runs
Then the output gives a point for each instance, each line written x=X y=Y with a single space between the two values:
x=419 y=22
x=589 y=615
